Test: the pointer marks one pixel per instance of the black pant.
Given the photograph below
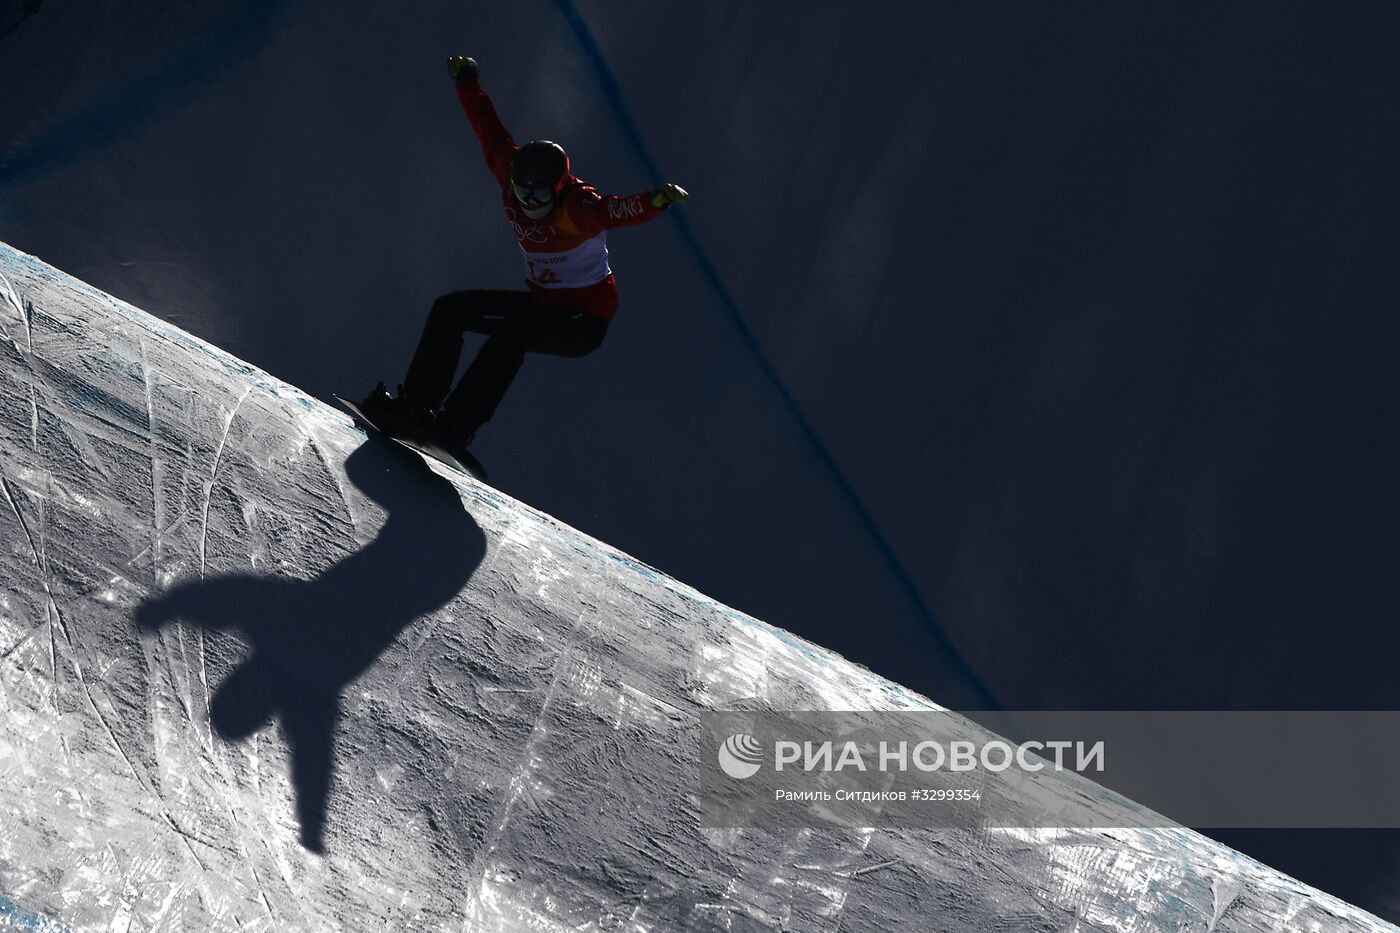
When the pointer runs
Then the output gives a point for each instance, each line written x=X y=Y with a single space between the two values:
x=515 y=324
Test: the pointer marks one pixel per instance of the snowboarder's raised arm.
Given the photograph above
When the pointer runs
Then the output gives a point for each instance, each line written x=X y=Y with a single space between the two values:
x=595 y=212
x=496 y=142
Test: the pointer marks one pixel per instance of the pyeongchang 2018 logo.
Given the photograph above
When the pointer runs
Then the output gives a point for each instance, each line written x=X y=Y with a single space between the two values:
x=740 y=756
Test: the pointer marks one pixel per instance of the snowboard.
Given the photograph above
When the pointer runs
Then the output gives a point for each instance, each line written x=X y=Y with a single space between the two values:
x=418 y=441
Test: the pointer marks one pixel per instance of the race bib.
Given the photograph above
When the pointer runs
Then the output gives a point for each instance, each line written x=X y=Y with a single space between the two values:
x=584 y=265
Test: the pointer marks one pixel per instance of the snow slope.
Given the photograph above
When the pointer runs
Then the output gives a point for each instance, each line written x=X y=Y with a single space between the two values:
x=258 y=673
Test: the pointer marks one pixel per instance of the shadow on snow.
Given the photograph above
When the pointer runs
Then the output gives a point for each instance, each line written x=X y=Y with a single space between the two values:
x=310 y=638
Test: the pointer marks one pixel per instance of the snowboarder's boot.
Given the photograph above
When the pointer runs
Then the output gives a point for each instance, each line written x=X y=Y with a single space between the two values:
x=398 y=408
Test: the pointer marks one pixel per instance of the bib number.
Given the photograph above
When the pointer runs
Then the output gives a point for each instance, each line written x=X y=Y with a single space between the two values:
x=545 y=276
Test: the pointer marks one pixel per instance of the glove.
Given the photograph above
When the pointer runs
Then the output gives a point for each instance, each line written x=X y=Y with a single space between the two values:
x=669 y=194
x=462 y=68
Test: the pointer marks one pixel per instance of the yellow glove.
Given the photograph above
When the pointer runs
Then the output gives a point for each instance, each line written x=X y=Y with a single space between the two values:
x=669 y=194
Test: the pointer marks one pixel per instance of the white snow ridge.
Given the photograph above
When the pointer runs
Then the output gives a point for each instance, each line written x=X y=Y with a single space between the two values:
x=258 y=673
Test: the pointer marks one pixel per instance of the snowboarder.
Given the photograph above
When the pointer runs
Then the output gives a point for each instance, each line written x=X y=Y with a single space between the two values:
x=561 y=224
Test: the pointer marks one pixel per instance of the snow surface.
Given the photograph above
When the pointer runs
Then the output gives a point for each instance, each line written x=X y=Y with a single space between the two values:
x=258 y=673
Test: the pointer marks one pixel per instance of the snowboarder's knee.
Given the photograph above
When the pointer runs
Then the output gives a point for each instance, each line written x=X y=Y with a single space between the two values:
x=441 y=312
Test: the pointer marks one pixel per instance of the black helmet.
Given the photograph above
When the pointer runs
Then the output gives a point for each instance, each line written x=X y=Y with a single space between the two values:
x=539 y=171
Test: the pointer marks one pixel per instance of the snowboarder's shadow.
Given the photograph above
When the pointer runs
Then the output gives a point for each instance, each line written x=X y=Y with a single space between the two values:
x=310 y=638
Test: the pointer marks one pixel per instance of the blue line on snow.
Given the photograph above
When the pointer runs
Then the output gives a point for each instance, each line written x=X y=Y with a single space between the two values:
x=613 y=91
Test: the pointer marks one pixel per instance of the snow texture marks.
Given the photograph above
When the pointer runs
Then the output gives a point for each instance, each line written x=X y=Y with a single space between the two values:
x=14 y=919
x=258 y=672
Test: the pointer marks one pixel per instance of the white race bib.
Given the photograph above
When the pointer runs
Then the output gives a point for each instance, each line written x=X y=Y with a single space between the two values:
x=584 y=265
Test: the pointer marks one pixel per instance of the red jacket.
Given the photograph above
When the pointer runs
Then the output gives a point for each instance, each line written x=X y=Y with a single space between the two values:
x=565 y=252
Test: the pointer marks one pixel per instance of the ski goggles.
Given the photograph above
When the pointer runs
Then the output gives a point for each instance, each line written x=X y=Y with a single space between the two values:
x=532 y=197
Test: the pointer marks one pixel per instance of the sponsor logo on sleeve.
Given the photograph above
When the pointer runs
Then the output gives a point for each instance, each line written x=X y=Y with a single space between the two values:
x=625 y=208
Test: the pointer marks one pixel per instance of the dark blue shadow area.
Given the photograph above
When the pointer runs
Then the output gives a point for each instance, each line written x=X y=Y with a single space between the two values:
x=15 y=14
x=127 y=106
x=310 y=638
x=973 y=687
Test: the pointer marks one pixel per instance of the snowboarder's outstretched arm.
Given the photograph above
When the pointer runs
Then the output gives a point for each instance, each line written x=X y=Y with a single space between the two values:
x=496 y=142
x=592 y=212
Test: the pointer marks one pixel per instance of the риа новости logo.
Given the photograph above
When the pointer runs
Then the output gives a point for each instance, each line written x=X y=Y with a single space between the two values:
x=740 y=756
